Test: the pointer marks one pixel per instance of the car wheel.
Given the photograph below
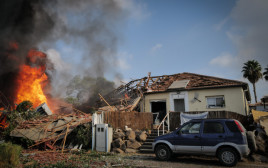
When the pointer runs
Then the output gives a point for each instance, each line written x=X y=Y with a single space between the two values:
x=228 y=157
x=163 y=152
x=251 y=142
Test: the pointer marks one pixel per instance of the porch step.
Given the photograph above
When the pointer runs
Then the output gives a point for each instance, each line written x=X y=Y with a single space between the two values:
x=147 y=145
x=146 y=151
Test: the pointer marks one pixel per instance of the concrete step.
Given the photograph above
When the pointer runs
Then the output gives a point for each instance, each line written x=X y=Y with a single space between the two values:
x=146 y=151
x=146 y=147
x=150 y=140
x=147 y=143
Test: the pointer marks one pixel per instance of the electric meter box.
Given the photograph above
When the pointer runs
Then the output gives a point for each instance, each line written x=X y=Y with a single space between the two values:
x=102 y=137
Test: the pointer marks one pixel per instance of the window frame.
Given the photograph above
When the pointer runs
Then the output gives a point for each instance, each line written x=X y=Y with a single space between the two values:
x=215 y=105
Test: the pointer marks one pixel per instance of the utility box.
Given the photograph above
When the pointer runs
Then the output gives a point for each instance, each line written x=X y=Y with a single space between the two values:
x=102 y=137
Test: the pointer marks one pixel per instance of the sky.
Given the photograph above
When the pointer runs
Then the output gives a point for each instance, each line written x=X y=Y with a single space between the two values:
x=205 y=37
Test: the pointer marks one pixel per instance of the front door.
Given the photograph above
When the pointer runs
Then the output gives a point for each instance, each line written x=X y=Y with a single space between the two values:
x=179 y=105
x=187 y=139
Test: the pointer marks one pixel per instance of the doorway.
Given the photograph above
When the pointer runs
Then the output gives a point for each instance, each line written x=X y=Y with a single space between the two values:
x=159 y=107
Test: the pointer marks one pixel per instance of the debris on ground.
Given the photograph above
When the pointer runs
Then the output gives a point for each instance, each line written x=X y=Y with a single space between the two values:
x=35 y=158
x=260 y=130
x=49 y=129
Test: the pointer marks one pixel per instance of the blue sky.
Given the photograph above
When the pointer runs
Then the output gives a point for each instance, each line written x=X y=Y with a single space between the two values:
x=204 y=37
x=200 y=36
x=176 y=36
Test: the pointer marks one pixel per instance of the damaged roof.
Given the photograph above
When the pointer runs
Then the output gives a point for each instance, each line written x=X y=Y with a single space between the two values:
x=184 y=81
x=175 y=82
x=191 y=81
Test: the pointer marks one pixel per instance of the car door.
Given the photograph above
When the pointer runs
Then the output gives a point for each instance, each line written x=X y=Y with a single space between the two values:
x=187 y=139
x=212 y=135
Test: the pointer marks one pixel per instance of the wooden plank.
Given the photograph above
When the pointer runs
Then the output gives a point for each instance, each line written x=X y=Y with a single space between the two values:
x=134 y=120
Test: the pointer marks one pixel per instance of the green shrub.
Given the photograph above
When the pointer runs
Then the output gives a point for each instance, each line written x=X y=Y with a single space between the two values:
x=82 y=134
x=9 y=155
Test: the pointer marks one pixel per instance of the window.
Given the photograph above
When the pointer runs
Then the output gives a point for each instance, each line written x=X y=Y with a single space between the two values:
x=191 y=128
x=232 y=126
x=213 y=128
x=215 y=102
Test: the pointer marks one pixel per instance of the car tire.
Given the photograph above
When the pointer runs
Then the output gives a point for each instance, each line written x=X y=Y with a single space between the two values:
x=163 y=152
x=251 y=142
x=228 y=157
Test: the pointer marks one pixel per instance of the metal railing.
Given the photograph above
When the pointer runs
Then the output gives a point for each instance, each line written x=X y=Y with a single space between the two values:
x=163 y=123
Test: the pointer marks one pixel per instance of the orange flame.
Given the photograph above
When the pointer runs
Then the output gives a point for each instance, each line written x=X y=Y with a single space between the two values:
x=31 y=80
x=3 y=121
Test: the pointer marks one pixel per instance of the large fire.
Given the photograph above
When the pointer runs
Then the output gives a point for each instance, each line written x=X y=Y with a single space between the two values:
x=32 y=79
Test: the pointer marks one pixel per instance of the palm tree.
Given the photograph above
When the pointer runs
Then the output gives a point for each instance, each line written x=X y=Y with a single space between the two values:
x=265 y=73
x=252 y=71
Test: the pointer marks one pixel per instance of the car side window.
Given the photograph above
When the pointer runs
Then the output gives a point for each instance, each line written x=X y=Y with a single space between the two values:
x=213 y=128
x=191 y=128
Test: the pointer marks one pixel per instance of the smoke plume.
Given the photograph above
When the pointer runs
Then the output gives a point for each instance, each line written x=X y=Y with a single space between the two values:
x=88 y=25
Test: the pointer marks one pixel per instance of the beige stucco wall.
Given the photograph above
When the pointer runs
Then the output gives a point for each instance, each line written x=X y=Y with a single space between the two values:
x=234 y=99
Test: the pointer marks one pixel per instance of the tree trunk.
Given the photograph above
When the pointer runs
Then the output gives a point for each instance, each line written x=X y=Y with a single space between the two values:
x=254 y=90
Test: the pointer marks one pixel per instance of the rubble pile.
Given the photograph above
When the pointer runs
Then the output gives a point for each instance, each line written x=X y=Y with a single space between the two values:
x=128 y=141
x=260 y=130
x=49 y=129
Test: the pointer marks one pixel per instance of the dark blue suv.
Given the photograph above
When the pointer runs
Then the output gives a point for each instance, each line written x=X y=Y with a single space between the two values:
x=224 y=138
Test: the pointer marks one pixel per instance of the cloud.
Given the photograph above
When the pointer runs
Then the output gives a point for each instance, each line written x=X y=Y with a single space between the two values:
x=249 y=35
x=249 y=32
x=224 y=60
x=137 y=11
x=219 y=26
x=156 y=47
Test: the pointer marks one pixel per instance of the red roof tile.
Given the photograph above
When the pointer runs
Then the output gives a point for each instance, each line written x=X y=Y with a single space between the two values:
x=196 y=81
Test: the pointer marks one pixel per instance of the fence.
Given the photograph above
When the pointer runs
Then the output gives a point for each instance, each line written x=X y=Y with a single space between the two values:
x=134 y=120
x=175 y=117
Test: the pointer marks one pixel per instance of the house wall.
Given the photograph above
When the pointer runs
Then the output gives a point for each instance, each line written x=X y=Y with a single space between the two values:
x=168 y=97
x=234 y=100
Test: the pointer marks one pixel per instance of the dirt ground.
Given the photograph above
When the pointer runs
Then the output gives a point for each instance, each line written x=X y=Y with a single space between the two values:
x=149 y=161
x=49 y=159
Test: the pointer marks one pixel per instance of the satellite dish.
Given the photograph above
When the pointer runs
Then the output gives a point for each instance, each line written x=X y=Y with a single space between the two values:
x=196 y=95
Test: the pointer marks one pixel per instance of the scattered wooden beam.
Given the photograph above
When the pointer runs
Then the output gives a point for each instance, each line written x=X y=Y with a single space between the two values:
x=65 y=138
